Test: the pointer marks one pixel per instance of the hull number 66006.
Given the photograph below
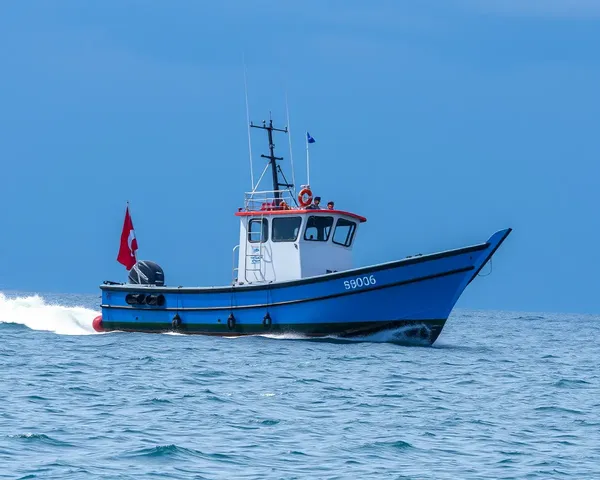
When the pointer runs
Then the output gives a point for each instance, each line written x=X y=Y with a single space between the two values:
x=360 y=282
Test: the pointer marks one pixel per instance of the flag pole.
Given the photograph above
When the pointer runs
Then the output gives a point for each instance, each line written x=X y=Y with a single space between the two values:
x=130 y=216
x=307 y=161
x=128 y=211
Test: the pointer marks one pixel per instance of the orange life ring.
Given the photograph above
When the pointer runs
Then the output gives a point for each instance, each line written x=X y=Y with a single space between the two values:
x=305 y=202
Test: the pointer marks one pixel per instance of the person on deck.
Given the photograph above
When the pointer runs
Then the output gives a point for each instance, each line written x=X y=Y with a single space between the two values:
x=316 y=205
x=329 y=205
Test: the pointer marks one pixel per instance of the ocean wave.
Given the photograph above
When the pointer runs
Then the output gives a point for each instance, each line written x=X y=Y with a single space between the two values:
x=40 y=438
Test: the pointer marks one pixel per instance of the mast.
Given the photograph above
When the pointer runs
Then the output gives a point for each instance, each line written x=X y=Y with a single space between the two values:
x=275 y=169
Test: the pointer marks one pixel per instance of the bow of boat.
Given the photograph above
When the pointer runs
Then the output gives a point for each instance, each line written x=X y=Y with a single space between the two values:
x=493 y=244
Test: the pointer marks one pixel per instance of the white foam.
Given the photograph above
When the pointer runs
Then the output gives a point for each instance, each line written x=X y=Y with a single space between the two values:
x=35 y=313
x=396 y=335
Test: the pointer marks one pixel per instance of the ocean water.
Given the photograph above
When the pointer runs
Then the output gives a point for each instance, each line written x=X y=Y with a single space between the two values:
x=501 y=395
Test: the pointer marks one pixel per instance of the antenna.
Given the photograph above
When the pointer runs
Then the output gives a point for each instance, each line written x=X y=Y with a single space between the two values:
x=289 y=126
x=272 y=158
x=248 y=122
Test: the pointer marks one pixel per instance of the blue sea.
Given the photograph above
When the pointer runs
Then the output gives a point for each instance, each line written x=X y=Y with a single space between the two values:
x=500 y=395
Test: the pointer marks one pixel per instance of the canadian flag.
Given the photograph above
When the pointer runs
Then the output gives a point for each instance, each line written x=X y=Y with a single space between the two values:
x=128 y=243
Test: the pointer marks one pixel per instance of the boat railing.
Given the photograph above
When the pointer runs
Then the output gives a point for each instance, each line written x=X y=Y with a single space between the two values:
x=268 y=200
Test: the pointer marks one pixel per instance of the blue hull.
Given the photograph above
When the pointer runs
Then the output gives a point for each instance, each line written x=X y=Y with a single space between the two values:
x=418 y=293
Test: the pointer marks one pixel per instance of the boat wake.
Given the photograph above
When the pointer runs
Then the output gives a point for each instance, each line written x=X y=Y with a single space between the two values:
x=36 y=314
x=400 y=336
x=407 y=335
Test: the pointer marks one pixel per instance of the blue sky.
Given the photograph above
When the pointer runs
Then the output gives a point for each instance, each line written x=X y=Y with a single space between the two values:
x=441 y=122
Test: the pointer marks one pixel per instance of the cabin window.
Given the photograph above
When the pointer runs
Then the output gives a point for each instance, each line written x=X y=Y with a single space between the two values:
x=318 y=229
x=344 y=232
x=258 y=230
x=285 y=229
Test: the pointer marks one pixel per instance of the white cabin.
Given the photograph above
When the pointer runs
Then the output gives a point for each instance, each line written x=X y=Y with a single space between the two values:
x=278 y=243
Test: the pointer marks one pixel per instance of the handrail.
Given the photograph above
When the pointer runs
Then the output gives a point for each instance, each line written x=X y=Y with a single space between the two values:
x=234 y=268
x=268 y=200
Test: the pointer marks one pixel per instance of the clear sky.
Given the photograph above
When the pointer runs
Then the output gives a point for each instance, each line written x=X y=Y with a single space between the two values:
x=441 y=122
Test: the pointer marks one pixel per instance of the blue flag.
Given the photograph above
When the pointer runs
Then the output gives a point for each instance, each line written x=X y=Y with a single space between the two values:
x=309 y=138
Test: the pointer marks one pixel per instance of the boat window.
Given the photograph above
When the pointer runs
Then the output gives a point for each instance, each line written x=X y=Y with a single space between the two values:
x=257 y=234
x=344 y=232
x=318 y=228
x=285 y=229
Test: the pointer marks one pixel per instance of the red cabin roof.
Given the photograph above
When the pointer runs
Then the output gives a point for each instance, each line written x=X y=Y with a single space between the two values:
x=303 y=211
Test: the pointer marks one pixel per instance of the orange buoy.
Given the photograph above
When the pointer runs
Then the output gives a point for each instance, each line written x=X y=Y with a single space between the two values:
x=305 y=197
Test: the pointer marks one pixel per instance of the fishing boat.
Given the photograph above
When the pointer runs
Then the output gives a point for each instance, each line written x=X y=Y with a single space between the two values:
x=294 y=274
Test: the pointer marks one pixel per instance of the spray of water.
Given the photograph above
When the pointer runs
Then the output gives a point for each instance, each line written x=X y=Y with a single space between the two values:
x=35 y=313
x=401 y=335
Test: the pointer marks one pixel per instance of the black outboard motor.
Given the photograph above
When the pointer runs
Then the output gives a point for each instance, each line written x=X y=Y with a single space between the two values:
x=145 y=272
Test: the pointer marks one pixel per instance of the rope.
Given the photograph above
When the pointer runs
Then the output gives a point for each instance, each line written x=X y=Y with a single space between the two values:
x=489 y=273
x=286 y=181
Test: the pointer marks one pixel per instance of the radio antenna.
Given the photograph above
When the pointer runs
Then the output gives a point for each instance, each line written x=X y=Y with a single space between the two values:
x=287 y=111
x=248 y=122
